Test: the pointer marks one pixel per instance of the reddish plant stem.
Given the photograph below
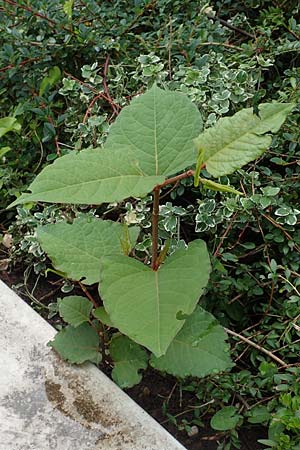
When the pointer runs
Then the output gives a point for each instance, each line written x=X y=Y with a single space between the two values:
x=277 y=225
x=230 y=225
x=22 y=63
x=27 y=8
x=102 y=333
x=91 y=88
x=155 y=214
x=187 y=174
x=89 y=296
x=105 y=87
x=170 y=190
x=88 y=111
x=58 y=152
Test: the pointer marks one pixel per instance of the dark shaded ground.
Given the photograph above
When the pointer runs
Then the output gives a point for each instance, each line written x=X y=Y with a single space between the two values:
x=155 y=389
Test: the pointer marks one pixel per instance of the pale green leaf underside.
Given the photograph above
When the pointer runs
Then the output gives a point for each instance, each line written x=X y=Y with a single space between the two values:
x=143 y=304
x=199 y=348
x=75 y=310
x=93 y=176
x=8 y=124
x=159 y=127
x=237 y=140
x=129 y=358
x=76 y=248
x=77 y=345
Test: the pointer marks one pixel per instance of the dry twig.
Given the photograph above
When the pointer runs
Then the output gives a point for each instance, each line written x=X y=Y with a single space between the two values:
x=257 y=346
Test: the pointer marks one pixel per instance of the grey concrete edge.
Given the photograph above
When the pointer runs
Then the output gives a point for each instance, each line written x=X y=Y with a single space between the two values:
x=47 y=404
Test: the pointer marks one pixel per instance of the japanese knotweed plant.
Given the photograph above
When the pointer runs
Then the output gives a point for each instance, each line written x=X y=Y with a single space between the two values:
x=151 y=145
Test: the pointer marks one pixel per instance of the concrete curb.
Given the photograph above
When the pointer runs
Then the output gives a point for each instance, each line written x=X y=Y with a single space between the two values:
x=46 y=404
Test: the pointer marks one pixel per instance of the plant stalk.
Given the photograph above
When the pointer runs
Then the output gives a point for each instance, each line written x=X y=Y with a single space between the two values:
x=155 y=213
x=102 y=334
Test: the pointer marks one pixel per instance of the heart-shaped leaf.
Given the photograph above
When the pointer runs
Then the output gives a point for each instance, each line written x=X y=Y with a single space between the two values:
x=77 y=345
x=198 y=349
x=75 y=310
x=237 y=140
x=129 y=358
x=159 y=127
x=150 y=306
x=76 y=248
x=92 y=176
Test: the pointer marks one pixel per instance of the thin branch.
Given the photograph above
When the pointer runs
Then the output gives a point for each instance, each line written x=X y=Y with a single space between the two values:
x=277 y=225
x=169 y=190
x=27 y=8
x=105 y=87
x=220 y=44
x=231 y=27
x=291 y=284
x=39 y=15
x=146 y=8
x=230 y=225
x=193 y=408
x=88 y=86
x=22 y=63
x=88 y=111
x=58 y=152
x=92 y=89
x=293 y=33
x=258 y=347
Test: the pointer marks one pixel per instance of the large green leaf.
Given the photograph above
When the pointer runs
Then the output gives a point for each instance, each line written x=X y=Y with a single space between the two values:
x=75 y=310
x=151 y=138
x=92 y=176
x=129 y=358
x=76 y=248
x=150 y=306
x=77 y=345
x=199 y=348
x=236 y=140
x=159 y=126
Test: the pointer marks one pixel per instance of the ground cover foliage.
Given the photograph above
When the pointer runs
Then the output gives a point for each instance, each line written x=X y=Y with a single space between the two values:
x=66 y=73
